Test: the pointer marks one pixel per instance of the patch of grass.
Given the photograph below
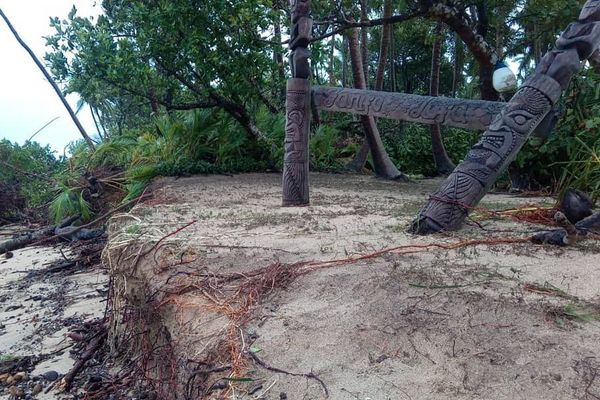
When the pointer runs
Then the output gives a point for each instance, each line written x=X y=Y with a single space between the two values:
x=7 y=358
x=578 y=314
x=132 y=229
x=568 y=313
x=256 y=220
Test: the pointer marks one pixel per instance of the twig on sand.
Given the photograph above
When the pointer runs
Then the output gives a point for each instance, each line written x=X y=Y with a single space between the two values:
x=422 y=286
x=231 y=247
x=89 y=352
x=310 y=375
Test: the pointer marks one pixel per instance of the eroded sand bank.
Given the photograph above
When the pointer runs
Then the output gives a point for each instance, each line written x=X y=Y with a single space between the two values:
x=513 y=321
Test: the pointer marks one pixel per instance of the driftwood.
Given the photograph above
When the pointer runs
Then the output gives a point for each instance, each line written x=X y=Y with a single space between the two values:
x=29 y=238
x=64 y=230
x=89 y=352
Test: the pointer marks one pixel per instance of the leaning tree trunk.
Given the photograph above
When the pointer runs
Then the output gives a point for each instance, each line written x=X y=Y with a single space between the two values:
x=383 y=165
x=37 y=62
x=360 y=159
x=528 y=108
x=443 y=164
x=384 y=46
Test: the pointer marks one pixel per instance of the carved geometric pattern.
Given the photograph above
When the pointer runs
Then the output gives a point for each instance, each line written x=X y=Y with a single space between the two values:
x=470 y=114
x=296 y=157
x=470 y=181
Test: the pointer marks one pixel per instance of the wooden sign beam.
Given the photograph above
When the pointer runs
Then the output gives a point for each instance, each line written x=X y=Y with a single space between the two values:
x=469 y=114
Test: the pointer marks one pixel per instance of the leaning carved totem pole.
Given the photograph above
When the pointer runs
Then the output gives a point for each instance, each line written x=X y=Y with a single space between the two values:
x=470 y=181
x=298 y=102
x=508 y=125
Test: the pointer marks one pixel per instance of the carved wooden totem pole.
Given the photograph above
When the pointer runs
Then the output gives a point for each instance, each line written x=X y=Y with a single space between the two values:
x=298 y=98
x=498 y=147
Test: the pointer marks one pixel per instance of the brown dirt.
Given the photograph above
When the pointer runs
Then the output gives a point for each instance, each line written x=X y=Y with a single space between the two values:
x=496 y=321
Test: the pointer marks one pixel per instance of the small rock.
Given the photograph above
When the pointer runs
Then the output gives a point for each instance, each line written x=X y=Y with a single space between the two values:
x=16 y=392
x=13 y=307
x=557 y=377
x=37 y=389
x=21 y=376
x=8 y=254
x=283 y=396
x=381 y=358
x=51 y=375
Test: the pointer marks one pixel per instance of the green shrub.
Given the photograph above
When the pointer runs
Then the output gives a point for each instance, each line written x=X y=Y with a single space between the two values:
x=409 y=146
x=25 y=177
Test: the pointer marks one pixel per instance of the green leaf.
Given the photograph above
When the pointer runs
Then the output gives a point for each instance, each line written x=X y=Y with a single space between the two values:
x=238 y=379
x=255 y=349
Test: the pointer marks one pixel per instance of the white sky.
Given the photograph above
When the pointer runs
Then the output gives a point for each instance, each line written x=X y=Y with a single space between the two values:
x=27 y=101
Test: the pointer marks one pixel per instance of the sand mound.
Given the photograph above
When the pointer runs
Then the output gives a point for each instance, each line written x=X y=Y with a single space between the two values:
x=220 y=291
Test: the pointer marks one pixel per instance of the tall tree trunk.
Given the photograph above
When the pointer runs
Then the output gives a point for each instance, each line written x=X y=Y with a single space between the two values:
x=278 y=58
x=443 y=163
x=393 y=84
x=458 y=65
x=102 y=137
x=100 y=122
x=486 y=71
x=364 y=41
x=344 y=61
x=384 y=46
x=360 y=159
x=384 y=167
x=37 y=62
x=332 y=79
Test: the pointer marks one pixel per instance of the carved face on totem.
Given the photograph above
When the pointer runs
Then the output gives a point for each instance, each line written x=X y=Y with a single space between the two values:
x=300 y=8
x=591 y=10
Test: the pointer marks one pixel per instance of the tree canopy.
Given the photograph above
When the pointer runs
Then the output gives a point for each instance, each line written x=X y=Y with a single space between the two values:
x=199 y=86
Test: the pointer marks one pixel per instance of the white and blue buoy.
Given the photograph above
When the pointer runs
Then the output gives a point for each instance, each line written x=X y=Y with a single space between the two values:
x=504 y=79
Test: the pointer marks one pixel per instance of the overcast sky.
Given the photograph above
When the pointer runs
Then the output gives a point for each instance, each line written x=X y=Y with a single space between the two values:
x=27 y=101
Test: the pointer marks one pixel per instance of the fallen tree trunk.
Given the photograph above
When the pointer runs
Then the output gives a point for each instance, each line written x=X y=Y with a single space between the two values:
x=29 y=238
x=64 y=230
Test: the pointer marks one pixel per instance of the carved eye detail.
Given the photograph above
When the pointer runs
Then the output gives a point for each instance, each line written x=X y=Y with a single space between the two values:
x=520 y=117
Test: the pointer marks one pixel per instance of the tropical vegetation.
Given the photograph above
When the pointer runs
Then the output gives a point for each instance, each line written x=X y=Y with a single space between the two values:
x=186 y=87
